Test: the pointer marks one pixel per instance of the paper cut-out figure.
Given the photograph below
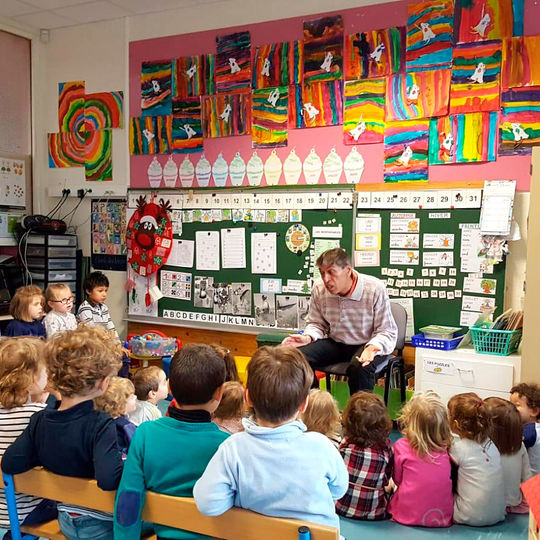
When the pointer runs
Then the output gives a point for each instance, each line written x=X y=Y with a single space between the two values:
x=226 y=113
x=311 y=111
x=273 y=97
x=482 y=26
x=445 y=148
x=412 y=256
x=266 y=68
x=358 y=130
x=191 y=71
x=405 y=156
x=148 y=135
x=377 y=52
x=478 y=75
x=235 y=68
x=519 y=132
x=327 y=64
x=427 y=32
x=190 y=132
x=412 y=93
x=155 y=86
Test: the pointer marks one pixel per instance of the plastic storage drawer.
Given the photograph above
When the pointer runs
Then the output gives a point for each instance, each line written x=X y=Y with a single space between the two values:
x=51 y=251
x=54 y=240
x=71 y=284
x=55 y=275
x=53 y=264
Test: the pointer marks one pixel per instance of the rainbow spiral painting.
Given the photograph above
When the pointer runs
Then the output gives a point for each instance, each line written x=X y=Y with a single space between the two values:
x=269 y=117
x=363 y=111
x=103 y=110
x=406 y=147
x=430 y=29
x=156 y=88
x=316 y=105
x=323 y=49
x=194 y=76
x=520 y=120
x=226 y=115
x=66 y=149
x=420 y=94
x=521 y=65
x=373 y=54
x=277 y=64
x=463 y=138
x=233 y=62
x=150 y=135
x=186 y=125
x=98 y=155
x=71 y=106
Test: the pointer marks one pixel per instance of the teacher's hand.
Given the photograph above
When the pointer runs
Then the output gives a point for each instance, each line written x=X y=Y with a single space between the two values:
x=296 y=340
x=368 y=354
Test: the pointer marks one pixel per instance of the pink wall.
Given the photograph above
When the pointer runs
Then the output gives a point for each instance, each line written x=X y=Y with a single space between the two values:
x=322 y=139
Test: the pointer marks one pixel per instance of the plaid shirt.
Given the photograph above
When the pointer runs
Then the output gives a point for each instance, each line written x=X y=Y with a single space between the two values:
x=370 y=470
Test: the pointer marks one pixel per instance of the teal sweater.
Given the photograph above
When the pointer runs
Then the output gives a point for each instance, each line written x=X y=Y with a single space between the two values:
x=166 y=456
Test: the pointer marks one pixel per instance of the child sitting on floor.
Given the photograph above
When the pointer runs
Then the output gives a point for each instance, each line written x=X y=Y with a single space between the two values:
x=422 y=465
x=26 y=308
x=368 y=455
x=59 y=303
x=266 y=467
x=228 y=416
x=322 y=415
x=150 y=388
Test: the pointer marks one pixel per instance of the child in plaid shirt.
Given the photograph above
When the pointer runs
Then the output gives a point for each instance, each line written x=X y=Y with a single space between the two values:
x=368 y=456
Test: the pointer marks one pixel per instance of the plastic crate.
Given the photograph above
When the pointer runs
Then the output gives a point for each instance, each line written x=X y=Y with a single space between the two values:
x=153 y=345
x=418 y=340
x=487 y=340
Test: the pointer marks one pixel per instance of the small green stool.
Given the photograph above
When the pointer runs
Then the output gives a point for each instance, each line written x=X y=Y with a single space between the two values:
x=271 y=339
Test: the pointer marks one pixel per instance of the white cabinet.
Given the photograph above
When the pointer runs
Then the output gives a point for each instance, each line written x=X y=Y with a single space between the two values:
x=454 y=372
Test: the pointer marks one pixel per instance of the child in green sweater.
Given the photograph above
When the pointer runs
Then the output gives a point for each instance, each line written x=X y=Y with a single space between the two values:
x=169 y=454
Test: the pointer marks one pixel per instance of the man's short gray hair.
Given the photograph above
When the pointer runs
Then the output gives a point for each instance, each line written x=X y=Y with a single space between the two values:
x=335 y=256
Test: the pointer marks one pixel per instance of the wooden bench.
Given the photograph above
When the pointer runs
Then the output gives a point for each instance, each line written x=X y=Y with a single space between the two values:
x=177 y=512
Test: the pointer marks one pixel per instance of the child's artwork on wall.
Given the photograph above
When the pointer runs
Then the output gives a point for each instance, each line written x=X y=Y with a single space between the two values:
x=419 y=94
x=463 y=138
x=406 y=151
x=376 y=53
x=194 y=76
x=186 y=125
x=103 y=110
x=270 y=117
x=66 y=149
x=481 y=20
x=226 y=115
x=156 y=88
x=315 y=105
x=233 y=62
x=323 y=49
x=98 y=155
x=520 y=120
x=71 y=106
x=520 y=62
x=278 y=64
x=429 y=35
x=150 y=135
x=363 y=116
x=296 y=62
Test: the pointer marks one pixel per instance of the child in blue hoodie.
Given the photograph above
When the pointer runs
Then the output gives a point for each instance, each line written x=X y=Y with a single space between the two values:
x=275 y=467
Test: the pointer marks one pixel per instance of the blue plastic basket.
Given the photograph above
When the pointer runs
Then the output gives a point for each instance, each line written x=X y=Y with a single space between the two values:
x=418 y=340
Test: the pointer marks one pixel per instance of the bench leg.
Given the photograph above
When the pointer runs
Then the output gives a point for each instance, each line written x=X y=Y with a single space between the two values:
x=402 y=381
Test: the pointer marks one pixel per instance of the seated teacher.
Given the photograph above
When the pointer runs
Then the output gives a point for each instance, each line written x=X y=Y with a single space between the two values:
x=349 y=319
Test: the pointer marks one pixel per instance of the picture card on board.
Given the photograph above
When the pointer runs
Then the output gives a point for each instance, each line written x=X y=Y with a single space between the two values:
x=241 y=298
x=437 y=258
x=287 y=311
x=156 y=88
x=479 y=285
x=402 y=257
x=226 y=115
x=233 y=62
x=265 y=309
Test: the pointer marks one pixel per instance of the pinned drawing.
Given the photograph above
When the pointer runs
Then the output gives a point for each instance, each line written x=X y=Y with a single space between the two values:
x=186 y=172
x=150 y=135
x=66 y=149
x=103 y=110
x=226 y=115
x=277 y=64
x=233 y=62
x=194 y=76
x=186 y=125
x=98 y=155
x=156 y=88
x=520 y=62
x=270 y=117
x=323 y=49
x=520 y=120
x=265 y=309
x=316 y=105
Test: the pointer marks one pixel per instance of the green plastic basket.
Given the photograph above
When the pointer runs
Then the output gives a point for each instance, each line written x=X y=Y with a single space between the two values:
x=487 y=340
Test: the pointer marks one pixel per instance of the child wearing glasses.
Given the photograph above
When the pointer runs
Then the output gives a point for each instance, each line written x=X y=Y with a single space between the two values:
x=59 y=303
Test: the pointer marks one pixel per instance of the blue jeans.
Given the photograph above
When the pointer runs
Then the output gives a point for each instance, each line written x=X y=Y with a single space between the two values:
x=85 y=527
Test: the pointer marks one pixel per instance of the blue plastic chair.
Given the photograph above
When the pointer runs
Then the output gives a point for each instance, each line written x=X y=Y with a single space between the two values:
x=11 y=501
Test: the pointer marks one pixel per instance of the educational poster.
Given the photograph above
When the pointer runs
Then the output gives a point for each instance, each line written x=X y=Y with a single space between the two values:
x=278 y=64
x=317 y=104
x=481 y=20
x=303 y=310
x=405 y=241
x=222 y=298
x=404 y=223
x=264 y=253
x=323 y=49
x=421 y=94
x=187 y=134
x=402 y=257
x=233 y=63
x=226 y=115
x=406 y=151
x=520 y=66
x=108 y=228
x=136 y=297
x=150 y=135
x=286 y=311
x=269 y=116
x=194 y=76
x=13 y=182
x=175 y=285
x=233 y=247
x=479 y=285
x=98 y=155
x=438 y=241
x=182 y=253
x=203 y=292
x=363 y=111
x=265 y=309
x=432 y=259
x=241 y=298
x=476 y=72
x=372 y=54
x=430 y=32
x=71 y=106
x=66 y=149
x=156 y=88
x=103 y=110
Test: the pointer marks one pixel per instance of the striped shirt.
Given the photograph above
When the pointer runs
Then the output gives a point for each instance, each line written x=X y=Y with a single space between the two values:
x=96 y=314
x=363 y=318
x=12 y=423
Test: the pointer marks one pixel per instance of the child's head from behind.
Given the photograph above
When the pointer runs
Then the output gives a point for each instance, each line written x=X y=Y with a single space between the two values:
x=23 y=371
x=230 y=365
x=232 y=404
x=119 y=398
x=468 y=418
x=150 y=384
x=526 y=398
x=424 y=422
x=81 y=361
x=506 y=425
x=322 y=413
x=96 y=286
x=366 y=422
x=278 y=382
x=196 y=376
x=27 y=303
x=58 y=298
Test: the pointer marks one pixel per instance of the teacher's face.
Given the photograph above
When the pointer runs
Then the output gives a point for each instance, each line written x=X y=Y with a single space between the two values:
x=337 y=280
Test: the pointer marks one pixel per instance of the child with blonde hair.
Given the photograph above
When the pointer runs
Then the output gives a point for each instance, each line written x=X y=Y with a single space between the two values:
x=322 y=415
x=479 y=493
x=228 y=416
x=58 y=305
x=368 y=456
x=422 y=465
x=26 y=308
x=150 y=388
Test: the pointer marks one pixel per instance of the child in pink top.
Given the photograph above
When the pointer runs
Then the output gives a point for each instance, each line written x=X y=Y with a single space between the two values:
x=422 y=465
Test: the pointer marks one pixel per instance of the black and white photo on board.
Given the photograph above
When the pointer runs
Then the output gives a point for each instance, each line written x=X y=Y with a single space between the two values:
x=265 y=309
x=286 y=311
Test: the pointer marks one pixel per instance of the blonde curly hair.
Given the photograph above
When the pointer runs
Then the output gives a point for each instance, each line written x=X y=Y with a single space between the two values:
x=114 y=400
x=79 y=358
x=21 y=359
x=322 y=413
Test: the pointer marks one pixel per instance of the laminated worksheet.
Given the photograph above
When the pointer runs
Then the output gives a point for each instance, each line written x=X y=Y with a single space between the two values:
x=207 y=250
x=263 y=253
x=233 y=247
x=497 y=204
x=182 y=253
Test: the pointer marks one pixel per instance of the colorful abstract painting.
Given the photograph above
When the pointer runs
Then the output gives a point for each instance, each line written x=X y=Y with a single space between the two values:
x=233 y=62
x=430 y=29
x=296 y=62
x=376 y=53
x=463 y=138
x=419 y=94
x=316 y=105
x=194 y=76
x=186 y=125
x=269 y=117
x=98 y=155
x=66 y=149
x=323 y=49
x=278 y=64
x=71 y=106
x=103 y=110
x=363 y=111
x=226 y=115
x=150 y=135
x=520 y=120
x=521 y=65
x=406 y=151
x=156 y=88
x=481 y=20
